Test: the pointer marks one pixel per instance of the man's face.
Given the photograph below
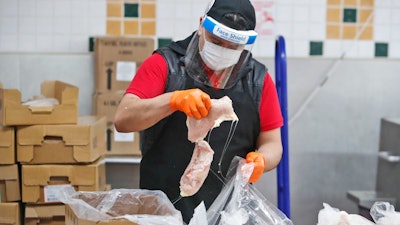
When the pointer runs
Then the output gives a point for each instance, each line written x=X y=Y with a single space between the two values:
x=204 y=34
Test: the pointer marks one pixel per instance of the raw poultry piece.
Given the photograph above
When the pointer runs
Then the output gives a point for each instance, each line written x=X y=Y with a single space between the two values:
x=197 y=170
x=221 y=110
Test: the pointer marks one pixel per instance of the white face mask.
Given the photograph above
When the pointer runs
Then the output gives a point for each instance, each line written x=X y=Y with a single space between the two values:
x=217 y=57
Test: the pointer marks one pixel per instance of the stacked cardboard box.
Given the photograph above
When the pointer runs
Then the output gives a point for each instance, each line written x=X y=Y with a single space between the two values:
x=116 y=62
x=54 y=148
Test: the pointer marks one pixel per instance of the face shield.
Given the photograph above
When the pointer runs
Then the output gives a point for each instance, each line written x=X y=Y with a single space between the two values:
x=217 y=54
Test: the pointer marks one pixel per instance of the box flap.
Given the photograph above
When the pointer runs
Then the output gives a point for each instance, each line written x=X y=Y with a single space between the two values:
x=42 y=175
x=67 y=94
x=9 y=172
x=6 y=136
x=44 y=211
x=9 y=213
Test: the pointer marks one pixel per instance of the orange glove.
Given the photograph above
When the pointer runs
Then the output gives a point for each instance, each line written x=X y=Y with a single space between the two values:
x=259 y=161
x=193 y=102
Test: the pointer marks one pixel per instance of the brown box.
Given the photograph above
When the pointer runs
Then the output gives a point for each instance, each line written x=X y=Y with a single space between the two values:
x=9 y=183
x=42 y=183
x=130 y=203
x=45 y=214
x=7 y=146
x=122 y=143
x=10 y=213
x=117 y=60
x=106 y=104
x=84 y=142
x=14 y=112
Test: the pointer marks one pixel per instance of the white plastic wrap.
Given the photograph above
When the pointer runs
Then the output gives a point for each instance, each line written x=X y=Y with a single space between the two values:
x=384 y=213
x=150 y=207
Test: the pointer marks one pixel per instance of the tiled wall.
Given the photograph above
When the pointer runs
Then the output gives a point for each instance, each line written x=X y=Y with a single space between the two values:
x=312 y=28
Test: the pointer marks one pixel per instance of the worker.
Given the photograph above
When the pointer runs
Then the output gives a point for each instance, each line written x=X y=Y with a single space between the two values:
x=179 y=80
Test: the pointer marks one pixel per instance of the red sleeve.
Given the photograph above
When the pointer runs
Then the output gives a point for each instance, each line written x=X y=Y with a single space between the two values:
x=150 y=79
x=270 y=111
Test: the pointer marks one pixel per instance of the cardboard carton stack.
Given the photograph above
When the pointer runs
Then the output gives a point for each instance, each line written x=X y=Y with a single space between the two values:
x=116 y=62
x=54 y=148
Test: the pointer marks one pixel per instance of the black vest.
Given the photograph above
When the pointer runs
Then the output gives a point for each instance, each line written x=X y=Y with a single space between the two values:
x=166 y=151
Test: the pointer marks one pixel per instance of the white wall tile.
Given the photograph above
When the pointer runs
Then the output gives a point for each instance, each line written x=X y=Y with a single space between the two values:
x=165 y=10
x=332 y=48
x=394 y=50
x=44 y=8
x=317 y=31
x=79 y=43
x=284 y=13
x=62 y=25
x=26 y=43
x=44 y=43
x=27 y=8
x=79 y=8
x=9 y=25
x=395 y=33
x=79 y=26
x=301 y=30
x=301 y=14
x=381 y=32
x=8 y=8
x=27 y=25
x=184 y=11
x=96 y=26
x=317 y=14
x=382 y=16
x=44 y=26
x=61 y=43
x=300 y=48
x=165 y=28
x=366 y=49
x=97 y=8
x=9 y=42
x=62 y=8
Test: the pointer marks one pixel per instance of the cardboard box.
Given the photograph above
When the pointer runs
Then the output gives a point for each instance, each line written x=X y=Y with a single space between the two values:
x=10 y=213
x=84 y=142
x=106 y=104
x=14 y=112
x=9 y=183
x=45 y=214
x=122 y=143
x=42 y=183
x=152 y=205
x=7 y=145
x=117 y=60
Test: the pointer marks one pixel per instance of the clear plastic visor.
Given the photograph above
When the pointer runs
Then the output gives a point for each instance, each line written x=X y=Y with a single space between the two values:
x=216 y=58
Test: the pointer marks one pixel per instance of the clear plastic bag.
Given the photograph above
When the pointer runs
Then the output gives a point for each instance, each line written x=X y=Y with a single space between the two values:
x=149 y=207
x=241 y=203
x=384 y=213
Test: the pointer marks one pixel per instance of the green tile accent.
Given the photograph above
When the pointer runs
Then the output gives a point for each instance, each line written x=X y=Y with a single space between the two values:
x=316 y=47
x=131 y=10
x=164 y=41
x=381 y=49
x=91 y=44
x=349 y=15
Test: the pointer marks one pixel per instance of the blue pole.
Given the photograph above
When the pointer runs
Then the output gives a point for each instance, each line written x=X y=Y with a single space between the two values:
x=283 y=166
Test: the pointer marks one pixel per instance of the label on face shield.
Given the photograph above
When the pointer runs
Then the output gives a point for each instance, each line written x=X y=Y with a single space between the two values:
x=235 y=36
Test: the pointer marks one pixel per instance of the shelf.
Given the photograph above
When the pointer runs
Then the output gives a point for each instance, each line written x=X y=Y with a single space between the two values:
x=123 y=159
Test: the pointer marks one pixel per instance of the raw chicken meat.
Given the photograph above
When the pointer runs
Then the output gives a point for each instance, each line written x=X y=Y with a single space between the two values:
x=220 y=111
x=197 y=170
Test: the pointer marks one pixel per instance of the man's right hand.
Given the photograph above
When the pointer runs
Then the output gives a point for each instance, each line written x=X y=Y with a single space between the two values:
x=193 y=102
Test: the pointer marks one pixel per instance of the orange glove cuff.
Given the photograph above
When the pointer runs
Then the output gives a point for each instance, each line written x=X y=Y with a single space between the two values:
x=259 y=161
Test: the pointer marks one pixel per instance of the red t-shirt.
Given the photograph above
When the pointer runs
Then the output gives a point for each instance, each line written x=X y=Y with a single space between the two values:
x=151 y=78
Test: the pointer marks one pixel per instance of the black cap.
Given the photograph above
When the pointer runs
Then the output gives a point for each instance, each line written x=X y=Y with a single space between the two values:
x=243 y=7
